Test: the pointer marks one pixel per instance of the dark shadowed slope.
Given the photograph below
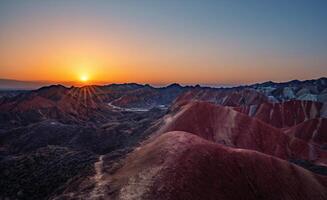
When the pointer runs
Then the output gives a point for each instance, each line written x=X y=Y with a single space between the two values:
x=123 y=132
x=180 y=165
x=37 y=174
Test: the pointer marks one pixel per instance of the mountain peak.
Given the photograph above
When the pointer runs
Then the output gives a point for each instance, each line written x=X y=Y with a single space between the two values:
x=174 y=85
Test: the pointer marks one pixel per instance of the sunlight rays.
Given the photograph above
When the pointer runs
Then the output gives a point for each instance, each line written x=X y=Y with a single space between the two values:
x=88 y=96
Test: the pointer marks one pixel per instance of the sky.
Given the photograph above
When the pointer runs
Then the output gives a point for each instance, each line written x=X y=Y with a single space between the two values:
x=159 y=42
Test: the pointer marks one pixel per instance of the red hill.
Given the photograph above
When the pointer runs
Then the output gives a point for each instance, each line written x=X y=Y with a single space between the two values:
x=313 y=130
x=286 y=114
x=180 y=165
x=227 y=126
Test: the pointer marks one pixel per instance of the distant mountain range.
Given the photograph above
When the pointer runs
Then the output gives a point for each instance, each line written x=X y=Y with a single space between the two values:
x=10 y=84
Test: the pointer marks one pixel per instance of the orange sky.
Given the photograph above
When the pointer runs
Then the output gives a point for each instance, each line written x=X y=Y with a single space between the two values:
x=66 y=57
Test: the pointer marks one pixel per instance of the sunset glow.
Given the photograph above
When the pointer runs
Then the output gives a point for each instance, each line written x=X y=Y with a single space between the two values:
x=129 y=42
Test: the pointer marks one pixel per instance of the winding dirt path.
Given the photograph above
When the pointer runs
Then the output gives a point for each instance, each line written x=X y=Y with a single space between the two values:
x=99 y=189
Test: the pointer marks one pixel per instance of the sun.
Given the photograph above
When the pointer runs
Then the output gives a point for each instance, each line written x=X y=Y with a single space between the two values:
x=84 y=78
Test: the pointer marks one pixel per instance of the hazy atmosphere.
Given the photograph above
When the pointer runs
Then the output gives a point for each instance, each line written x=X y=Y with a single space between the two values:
x=159 y=42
